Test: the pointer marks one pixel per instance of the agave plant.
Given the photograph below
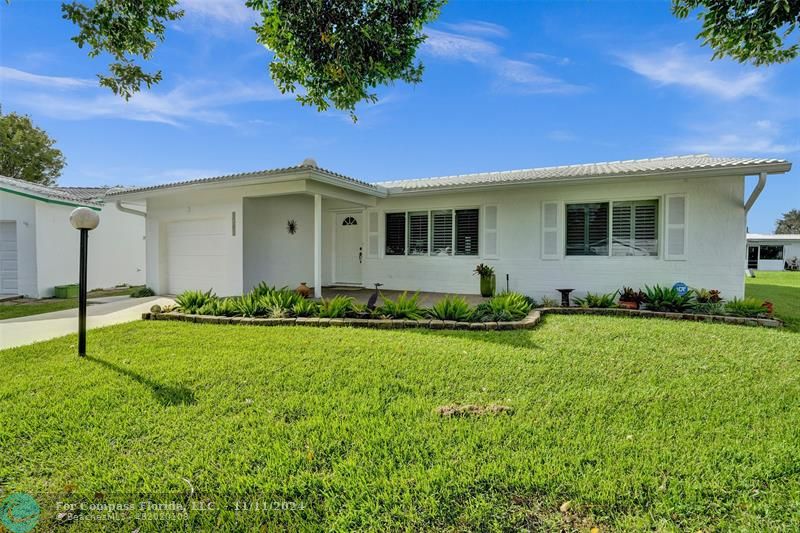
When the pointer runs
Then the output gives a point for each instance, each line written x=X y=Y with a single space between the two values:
x=337 y=307
x=262 y=289
x=505 y=307
x=451 y=308
x=602 y=301
x=404 y=306
x=658 y=298
x=305 y=308
x=190 y=302
x=250 y=305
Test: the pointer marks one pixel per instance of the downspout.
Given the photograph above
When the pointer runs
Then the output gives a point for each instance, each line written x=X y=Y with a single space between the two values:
x=762 y=180
x=129 y=210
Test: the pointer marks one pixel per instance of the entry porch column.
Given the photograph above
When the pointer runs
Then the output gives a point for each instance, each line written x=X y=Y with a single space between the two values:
x=317 y=246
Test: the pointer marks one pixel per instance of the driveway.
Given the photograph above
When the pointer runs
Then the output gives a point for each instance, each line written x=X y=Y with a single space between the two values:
x=103 y=312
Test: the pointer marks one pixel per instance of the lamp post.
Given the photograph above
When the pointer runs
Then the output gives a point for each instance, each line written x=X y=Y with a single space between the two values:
x=84 y=220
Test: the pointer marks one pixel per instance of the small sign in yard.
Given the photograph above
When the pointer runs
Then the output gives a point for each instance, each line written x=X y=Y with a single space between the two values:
x=681 y=287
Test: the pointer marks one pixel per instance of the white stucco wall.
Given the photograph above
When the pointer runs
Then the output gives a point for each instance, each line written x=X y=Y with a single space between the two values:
x=23 y=210
x=716 y=241
x=271 y=254
x=116 y=249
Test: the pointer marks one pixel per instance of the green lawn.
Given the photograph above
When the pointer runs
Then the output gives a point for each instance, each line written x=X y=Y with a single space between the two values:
x=640 y=424
x=783 y=289
x=19 y=308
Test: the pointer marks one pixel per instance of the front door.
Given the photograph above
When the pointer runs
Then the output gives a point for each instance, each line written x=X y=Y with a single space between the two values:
x=752 y=257
x=349 y=248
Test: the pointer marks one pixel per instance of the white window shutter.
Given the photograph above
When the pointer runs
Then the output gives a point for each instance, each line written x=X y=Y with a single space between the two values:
x=373 y=244
x=675 y=228
x=490 y=231
x=550 y=247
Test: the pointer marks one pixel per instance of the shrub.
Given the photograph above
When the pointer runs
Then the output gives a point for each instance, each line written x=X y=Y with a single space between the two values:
x=337 y=307
x=658 y=298
x=191 y=301
x=279 y=303
x=705 y=296
x=451 y=308
x=484 y=270
x=629 y=295
x=709 y=308
x=548 y=302
x=600 y=301
x=305 y=308
x=504 y=307
x=404 y=306
x=142 y=292
x=747 y=307
x=250 y=305
x=262 y=289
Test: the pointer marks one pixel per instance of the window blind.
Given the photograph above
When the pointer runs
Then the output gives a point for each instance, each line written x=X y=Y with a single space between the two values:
x=418 y=233
x=395 y=233
x=442 y=241
x=634 y=228
x=466 y=232
x=587 y=229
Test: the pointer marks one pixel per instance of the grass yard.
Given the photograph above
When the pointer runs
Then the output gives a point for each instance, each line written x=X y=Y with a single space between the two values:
x=639 y=424
x=783 y=289
x=26 y=307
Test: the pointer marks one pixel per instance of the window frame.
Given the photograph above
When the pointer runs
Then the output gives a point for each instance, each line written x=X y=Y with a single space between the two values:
x=782 y=254
x=430 y=211
x=660 y=225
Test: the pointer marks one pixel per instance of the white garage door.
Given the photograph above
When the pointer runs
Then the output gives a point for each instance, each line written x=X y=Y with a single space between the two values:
x=196 y=255
x=8 y=258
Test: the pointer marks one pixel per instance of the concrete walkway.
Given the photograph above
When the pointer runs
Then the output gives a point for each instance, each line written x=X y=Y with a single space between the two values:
x=105 y=312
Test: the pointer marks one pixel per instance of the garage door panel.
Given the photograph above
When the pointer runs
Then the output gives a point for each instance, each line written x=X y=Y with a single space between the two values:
x=8 y=257
x=197 y=255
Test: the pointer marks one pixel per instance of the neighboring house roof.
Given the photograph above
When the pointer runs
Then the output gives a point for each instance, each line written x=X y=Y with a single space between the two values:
x=662 y=166
x=639 y=167
x=304 y=167
x=771 y=237
x=43 y=193
x=86 y=193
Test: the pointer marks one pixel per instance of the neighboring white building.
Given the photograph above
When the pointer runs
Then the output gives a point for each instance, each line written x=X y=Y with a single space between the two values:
x=772 y=252
x=39 y=247
x=592 y=227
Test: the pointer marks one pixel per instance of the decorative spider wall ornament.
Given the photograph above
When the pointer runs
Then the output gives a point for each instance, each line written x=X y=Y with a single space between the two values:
x=291 y=227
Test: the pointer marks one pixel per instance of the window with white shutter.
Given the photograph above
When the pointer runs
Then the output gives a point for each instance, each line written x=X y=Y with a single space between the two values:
x=395 y=234
x=418 y=233
x=442 y=239
x=676 y=227
x=490 y=231
x=550 y=230
x=587 y=229
x=634 y=228
x=466 y=232
x=372 y=234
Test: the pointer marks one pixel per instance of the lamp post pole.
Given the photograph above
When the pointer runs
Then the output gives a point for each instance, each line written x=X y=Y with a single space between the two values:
x=82 y=292
x=84 y=220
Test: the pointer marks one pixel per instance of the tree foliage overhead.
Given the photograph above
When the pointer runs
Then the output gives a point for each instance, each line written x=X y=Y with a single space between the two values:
x=756 y=31
x=338 y=51
x=789 y=223
x=27 y=152
x=124 y=29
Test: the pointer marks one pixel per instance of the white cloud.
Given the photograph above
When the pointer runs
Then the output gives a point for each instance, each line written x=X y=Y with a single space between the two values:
x=510 y=74
x=562 y=136
x=674 y=66
x=225 y=11
x=8 y=74
x=202 y=101
x=478 y=27
x=763 y=137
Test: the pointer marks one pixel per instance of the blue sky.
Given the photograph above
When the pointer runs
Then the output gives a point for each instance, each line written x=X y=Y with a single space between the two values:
x=507 y=85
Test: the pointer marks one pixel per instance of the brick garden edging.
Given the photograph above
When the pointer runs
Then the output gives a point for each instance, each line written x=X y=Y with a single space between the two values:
x=641 y=313
x=529 y=322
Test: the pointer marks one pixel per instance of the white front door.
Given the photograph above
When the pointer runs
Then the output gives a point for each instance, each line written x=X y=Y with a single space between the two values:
x=349 y=248
x=8 y=258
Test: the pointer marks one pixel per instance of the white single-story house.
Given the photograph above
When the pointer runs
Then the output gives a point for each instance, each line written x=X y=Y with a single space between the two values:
x=39 y=247
x=591 y=227
x=772 y=252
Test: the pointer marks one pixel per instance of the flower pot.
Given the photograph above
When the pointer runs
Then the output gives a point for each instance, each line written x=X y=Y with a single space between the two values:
x=488 y=284
x=628 y=305
x=303 y=290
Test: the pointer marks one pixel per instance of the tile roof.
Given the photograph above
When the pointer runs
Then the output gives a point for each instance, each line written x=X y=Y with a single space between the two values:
x=660 y=165
x=86 y=193
x=42 y=191
x=304 y=166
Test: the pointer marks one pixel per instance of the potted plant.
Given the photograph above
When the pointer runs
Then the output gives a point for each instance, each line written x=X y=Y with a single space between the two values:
x=630 y=299
x=488 y=279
